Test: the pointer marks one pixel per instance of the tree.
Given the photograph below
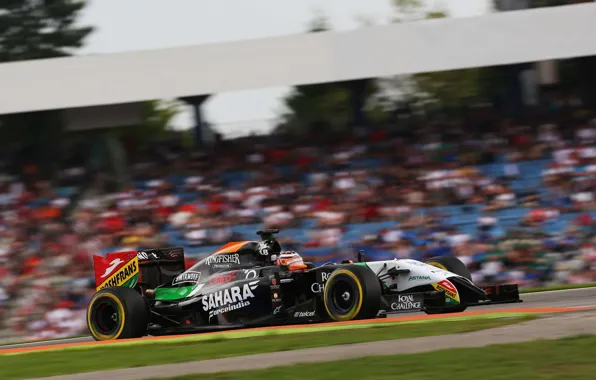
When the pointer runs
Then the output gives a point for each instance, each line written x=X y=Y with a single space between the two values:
x=157 y=118
x=325 y=105
x=37 y=29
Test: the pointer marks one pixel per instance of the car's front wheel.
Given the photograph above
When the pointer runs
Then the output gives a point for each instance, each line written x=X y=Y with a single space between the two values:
x=352 y=292
x=117 y=313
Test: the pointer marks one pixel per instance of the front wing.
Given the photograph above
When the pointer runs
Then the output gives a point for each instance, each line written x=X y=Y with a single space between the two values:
x=409 y=302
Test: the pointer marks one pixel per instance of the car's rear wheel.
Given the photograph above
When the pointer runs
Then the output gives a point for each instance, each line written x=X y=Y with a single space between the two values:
x=117 y=313
x=352 y=292
x=453 y=265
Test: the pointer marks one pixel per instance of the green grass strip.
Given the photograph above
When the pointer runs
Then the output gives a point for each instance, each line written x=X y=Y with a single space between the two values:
x=569 y=358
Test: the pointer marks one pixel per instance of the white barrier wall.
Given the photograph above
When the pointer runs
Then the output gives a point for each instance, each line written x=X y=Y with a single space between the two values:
x=433 y=45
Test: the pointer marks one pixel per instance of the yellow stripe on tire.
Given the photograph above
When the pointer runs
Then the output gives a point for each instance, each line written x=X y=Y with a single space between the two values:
x=96 y=333
x=353 y=314
x=438 y=265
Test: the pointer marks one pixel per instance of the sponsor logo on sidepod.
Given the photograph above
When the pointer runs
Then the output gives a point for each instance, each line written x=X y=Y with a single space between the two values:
x=192 y=277
x=234 y=298
x=222 y=278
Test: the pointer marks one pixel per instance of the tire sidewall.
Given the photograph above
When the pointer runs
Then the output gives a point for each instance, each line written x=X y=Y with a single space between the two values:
x=364 y=284
x=348 y=277
x=93 y=308
x=132 y=310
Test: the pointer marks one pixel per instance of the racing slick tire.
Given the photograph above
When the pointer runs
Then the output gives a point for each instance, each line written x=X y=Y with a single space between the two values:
x=352 y=292
x=453 y=265
x=117 y=313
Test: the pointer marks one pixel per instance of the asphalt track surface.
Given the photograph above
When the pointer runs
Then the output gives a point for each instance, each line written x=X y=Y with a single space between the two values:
x=553 y=299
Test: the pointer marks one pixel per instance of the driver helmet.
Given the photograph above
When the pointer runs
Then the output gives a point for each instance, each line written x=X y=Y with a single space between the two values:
x=290 y=260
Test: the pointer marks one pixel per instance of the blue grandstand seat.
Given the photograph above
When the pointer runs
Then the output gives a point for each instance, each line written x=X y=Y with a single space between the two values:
x=464 y=218
x=65 y=191
x=368 y=228
x=511 y=213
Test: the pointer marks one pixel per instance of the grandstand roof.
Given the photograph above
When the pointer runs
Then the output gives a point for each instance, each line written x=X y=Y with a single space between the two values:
x=433 y=45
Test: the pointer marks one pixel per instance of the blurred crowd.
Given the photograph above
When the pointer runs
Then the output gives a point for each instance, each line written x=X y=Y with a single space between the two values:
x=524 y=254
x=325 y=187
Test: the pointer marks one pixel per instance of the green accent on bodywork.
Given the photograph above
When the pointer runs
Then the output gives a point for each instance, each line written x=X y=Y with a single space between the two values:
x=173 y=294
x=450 y=301
x=132 y=282
x=361 y=264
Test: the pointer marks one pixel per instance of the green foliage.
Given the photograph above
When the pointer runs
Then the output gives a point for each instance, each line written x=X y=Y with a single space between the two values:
x=323 y=104
x=33 y=29
x=450 y=89
x=158 y=115
x=156 y=125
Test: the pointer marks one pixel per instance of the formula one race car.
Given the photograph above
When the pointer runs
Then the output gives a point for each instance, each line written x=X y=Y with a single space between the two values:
x=150 y=293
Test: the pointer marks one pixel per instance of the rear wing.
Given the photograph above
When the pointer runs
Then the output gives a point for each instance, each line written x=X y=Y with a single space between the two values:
x=148 y=268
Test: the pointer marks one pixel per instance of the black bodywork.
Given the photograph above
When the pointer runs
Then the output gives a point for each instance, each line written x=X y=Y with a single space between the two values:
x=239 y=290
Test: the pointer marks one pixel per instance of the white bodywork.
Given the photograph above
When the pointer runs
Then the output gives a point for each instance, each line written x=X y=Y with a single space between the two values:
x=420 y=274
